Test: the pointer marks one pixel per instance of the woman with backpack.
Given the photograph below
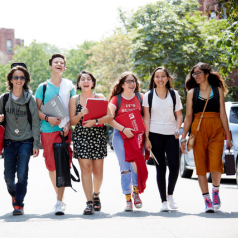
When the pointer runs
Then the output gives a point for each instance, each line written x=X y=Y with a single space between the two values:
x=90 y=146
x=206 y=90
x=126 y=90
x=163 y=119
x=19 y=115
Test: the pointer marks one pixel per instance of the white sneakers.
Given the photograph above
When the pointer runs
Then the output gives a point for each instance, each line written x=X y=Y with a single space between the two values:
x=164 y=207
x=170 y=201
x=59 y=208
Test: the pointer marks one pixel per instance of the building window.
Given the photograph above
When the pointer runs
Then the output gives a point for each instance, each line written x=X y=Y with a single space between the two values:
x=9 y=46
x=212 y=15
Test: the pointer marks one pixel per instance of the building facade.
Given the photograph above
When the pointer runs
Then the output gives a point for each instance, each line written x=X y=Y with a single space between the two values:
x=8 y=42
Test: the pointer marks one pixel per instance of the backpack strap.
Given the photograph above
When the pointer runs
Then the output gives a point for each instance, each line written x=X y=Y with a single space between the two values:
x=77 y=101
x=44 y=89
x=139 y=97
x=118 y=103
x=195 y=95
x=29 y=116
x=172 y=93
x=150 y=98
x=216 y=95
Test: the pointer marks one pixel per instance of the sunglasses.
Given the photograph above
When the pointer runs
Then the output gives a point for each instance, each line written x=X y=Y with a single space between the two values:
x=130 y=81
x=21 y=78
x=196 y=74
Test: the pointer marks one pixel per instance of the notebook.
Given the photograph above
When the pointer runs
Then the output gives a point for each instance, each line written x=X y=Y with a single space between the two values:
x=55 y=108
x=133 y=120
x=97 y=108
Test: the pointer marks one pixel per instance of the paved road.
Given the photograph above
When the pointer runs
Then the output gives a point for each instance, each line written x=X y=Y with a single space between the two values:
x=189 y=221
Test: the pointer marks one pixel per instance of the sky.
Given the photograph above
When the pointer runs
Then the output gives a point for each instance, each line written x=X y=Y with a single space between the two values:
x=65 y=24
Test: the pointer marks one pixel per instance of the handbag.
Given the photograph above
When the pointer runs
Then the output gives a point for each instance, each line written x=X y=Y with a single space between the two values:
x=191 y=140
x=62 y=165
x=230 y=162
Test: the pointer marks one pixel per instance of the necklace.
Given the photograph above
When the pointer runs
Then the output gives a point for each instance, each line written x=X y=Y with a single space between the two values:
x=17 y=112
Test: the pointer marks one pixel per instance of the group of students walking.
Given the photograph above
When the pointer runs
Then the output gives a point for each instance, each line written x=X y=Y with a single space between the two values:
x=25 y=125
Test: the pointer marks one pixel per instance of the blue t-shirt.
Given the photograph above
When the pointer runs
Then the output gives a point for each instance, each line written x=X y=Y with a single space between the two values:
x=50 y=92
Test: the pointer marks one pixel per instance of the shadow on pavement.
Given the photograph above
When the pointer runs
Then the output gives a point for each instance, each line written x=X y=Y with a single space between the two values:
x=171 y=213
x=51 y=216
x=219 y=214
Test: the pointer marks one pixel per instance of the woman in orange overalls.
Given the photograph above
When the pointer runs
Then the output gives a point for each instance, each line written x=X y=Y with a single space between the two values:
x=209 y=143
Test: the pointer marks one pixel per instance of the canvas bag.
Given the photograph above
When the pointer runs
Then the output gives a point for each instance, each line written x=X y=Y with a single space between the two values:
x=62 y=165
x=191 y=140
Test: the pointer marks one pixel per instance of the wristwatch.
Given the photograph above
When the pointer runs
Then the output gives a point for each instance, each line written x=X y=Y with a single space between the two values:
x=183 y=140
x=96 y=121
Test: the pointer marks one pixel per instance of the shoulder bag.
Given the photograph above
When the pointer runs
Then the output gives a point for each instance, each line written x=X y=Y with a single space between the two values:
x=191 y=140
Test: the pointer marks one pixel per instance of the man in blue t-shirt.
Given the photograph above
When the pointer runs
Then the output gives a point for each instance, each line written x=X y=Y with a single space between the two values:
x=51 y=134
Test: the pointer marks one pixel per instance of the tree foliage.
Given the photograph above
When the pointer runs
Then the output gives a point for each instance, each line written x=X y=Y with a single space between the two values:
x=230 y=39
x=76 y=60
x=109 y=58
x=175 y=35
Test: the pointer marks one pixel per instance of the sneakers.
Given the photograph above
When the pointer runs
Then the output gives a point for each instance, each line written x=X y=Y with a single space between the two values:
x=129 y=206
x=137 y=200
x=216 y=199
x=171 y=202
x=59 y=208
x=208 y=205
x=17 y=211
x=164 y=207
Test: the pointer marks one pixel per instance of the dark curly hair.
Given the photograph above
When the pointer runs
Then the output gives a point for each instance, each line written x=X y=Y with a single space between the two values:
x=117 y=87
x=168 y=85
x=214 y=78
x=26 y=74
x=79 y=77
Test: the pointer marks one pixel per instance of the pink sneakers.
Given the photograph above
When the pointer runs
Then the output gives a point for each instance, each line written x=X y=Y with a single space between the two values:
x=137 y=200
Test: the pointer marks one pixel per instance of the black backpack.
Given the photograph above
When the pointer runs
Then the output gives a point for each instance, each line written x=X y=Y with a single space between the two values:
x=138 y=95
x=150 y=98
x=29 y=116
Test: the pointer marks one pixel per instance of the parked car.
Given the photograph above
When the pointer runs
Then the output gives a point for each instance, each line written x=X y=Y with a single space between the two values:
x=187 y=164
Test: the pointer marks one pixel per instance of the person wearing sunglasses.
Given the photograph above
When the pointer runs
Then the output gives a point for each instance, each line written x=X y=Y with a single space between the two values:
x=126 y=89
x=209 y=143
x=19 y=115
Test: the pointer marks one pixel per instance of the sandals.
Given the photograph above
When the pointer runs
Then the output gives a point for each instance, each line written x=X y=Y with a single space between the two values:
x=96 y=202
x=89 y=209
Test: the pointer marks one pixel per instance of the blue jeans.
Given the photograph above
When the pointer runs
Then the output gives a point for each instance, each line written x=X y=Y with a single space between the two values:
x=127 y=178
x=16 y=159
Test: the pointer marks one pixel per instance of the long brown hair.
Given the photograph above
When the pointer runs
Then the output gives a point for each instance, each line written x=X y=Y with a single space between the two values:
x=26 y=74
x=214 y=78
x=168 y=84
x=117 y=88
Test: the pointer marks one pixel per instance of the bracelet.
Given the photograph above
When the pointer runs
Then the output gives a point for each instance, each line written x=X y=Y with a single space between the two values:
x=147 y=137
x=123 y=129
x=183 y=140
x=46 y=118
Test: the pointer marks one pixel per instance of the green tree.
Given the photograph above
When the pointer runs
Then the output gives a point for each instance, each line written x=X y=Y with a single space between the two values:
x=175 y=35
x=76 y=60
x=110 y=57
x=229 y=39
x=37 y=61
